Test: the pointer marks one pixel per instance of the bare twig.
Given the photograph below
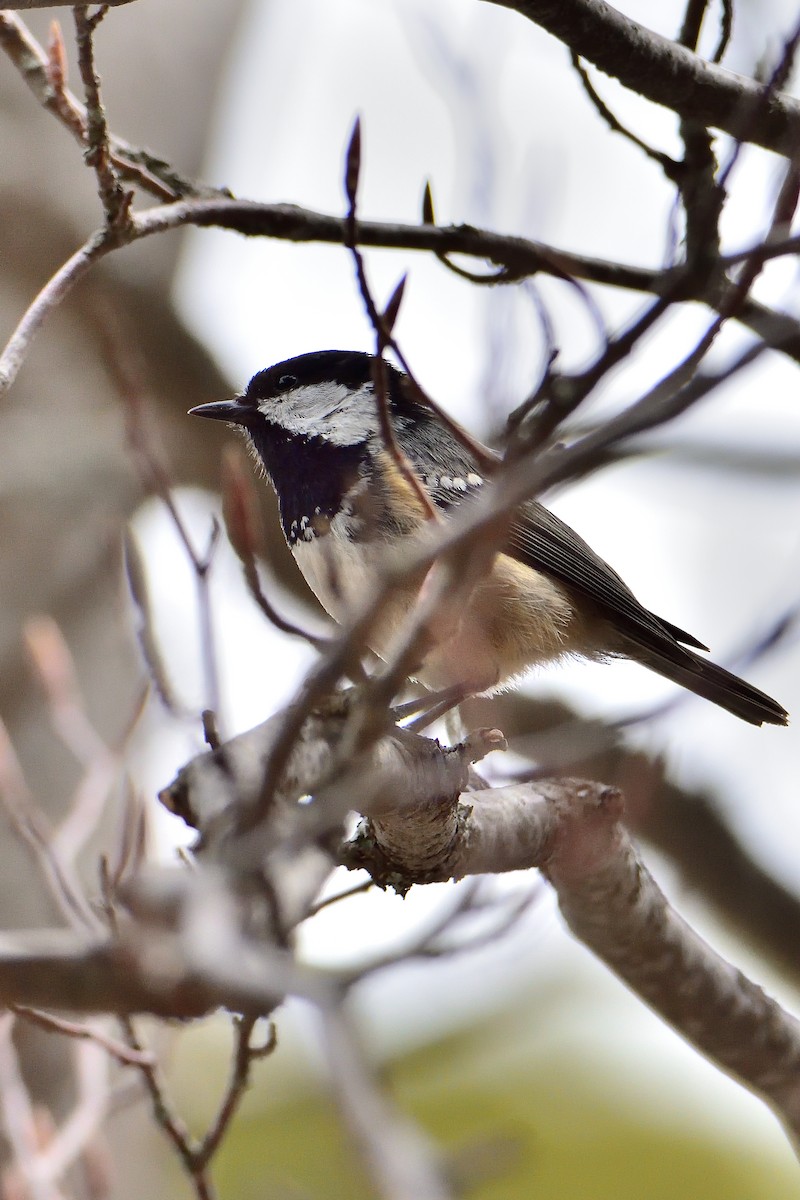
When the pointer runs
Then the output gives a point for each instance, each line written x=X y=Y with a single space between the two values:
x=35 y=830
x=131 y=848
x=130 y=380
x=537 y=418
x=57 y=97
x=356 y=890
x=400 y=1159
x=431 y=943
x=165 y=1115
x=19 y=1119
x=116 y=202
x=49 y=298
x=42 y=1152
x=754 y=115
x=382 y=327
x=135 y=165
x=101 y=764
x=244 y=1055
x=136 y=574
x=125 y=1055
x=665 y=72
x=725 y=30
x=290 y=223
x=76 y=1138
x=667 y=164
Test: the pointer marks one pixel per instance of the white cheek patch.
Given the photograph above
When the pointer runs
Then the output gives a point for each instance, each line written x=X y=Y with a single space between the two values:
x=327 y=410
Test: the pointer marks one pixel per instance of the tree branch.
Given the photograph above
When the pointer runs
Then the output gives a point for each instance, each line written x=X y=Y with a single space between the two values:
x=399 y=1157
x=20 y=4
x=666 y=73
x=134 y=163
x=520 y=256
x=48 y=300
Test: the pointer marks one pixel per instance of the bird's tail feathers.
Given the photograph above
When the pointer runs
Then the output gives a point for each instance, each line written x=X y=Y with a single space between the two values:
x=714 y=683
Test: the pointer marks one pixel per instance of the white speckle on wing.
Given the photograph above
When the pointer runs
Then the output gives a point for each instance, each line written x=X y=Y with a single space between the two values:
x=474 y=480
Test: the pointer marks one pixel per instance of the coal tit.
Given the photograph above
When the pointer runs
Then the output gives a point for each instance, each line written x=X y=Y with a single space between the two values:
x=344 y=503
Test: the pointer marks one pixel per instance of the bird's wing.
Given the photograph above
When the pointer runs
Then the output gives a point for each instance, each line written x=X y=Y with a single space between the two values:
x=542 y=541
x=537 y=538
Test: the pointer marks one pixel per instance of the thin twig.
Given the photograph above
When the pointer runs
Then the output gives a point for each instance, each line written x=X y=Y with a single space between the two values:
x=77 y=1135
x=356 y=890
x=115 y=200
x=662 y=71
x=400 y=1159
x=559 y=396
x=19 y=1119
x=47 y=301
x=132 y=845
x=725 y=30
x=164 y=1113
x=136 y=575
x=288 y=222
x=754 y=115
x=667 y=164
x=33 y=827
x=129 y=374
x=244 y=1055
x=67 y=711
x=135 y=165
x=382 y=328
x=125 y=1055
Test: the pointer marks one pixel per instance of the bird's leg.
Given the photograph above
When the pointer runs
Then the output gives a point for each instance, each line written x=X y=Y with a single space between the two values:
x=430 y=706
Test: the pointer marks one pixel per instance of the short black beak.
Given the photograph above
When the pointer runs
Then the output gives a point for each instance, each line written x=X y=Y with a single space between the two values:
x=233 y=411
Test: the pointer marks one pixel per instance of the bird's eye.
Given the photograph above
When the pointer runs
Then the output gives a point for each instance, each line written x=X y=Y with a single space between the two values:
x=287 y=381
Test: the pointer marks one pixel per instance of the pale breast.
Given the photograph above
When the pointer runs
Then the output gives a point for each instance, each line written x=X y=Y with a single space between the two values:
x=342 y=574
x=512 y=620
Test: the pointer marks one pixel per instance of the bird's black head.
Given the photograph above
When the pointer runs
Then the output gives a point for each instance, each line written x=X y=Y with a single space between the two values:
x=311 y=420
x=327 y=395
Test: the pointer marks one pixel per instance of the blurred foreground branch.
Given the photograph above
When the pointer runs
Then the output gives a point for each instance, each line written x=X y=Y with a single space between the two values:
x=220 y=935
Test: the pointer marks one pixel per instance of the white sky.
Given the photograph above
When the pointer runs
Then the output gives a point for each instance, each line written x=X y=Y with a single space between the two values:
x=477 y=100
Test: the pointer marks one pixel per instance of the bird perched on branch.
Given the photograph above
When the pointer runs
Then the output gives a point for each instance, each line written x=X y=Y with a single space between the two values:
x=347 y=497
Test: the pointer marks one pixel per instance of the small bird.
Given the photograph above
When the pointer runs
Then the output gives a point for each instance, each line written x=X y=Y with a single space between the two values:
x=344 y=502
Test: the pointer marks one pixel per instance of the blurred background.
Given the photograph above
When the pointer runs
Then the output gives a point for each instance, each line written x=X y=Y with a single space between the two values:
x=531 y=1063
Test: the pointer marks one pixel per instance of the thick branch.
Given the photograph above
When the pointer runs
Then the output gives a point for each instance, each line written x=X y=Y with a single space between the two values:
x=667 y=73
x=185 y=950
x=612 y=903
x=190 y=944
x=572 y=830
